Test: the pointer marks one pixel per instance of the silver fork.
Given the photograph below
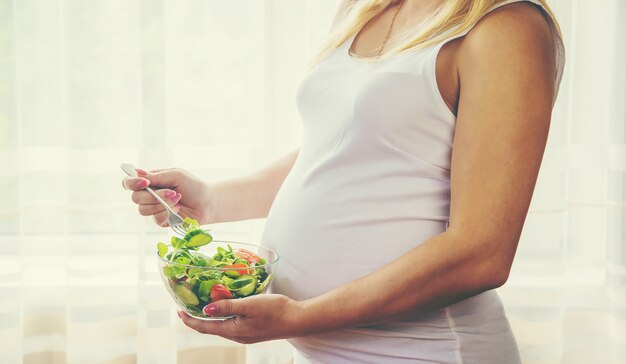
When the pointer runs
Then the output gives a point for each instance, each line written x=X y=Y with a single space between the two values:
x=174 y=220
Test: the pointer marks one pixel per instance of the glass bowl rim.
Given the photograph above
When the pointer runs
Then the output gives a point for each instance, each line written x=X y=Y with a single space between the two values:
x=267 y=264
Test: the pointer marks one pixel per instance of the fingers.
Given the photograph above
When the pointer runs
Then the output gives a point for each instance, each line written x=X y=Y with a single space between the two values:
x=227 y=308
x=149 y=210
x=135 y=183
x=152 y=209
x=169 y=178
x=203 y=327
x=149 y=206
x=224 y=328
x=145 y=198
x=144 y=172
x=161 y=217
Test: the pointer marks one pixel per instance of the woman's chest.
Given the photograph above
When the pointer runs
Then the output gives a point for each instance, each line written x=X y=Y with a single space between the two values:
x=398 y=95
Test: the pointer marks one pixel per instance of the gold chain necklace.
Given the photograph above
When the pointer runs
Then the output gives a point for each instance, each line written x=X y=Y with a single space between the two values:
x=393 y=20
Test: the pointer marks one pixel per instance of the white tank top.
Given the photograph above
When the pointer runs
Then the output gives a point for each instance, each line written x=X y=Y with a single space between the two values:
x=371 y=182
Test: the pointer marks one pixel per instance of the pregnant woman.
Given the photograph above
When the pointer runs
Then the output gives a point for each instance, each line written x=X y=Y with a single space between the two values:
x=425 y=123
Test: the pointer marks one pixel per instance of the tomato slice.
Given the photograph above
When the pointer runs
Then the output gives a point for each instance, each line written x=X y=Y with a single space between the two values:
x=247 y=255
x=220 y=292
x=241 y=272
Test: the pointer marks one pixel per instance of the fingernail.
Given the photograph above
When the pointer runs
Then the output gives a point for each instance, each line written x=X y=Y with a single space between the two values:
x=178 y=196
x=179 y=315
x=170 y=195
x=143 y=183
x=141 y=172
x=210 y=310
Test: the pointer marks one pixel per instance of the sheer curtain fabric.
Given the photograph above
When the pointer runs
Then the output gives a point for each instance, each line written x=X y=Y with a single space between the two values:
x=210 y=86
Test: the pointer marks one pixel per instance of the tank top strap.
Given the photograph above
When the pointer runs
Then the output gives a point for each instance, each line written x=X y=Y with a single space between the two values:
x=494 y=7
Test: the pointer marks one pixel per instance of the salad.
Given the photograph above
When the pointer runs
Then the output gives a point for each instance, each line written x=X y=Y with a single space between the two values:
x=197 y=280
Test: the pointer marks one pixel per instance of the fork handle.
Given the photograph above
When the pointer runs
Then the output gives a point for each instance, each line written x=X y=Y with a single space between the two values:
x=131 y=171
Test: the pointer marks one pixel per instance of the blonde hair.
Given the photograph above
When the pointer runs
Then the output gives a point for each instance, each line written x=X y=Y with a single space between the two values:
x=454 y=16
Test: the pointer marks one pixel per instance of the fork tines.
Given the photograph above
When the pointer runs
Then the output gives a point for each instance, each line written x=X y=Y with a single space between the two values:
x=178 y=229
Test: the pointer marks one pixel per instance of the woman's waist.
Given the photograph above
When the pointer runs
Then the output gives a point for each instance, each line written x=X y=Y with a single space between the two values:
x=425 y=333
x=443 y=323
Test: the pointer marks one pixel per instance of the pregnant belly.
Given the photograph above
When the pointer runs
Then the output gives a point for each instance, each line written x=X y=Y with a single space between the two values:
x=326 y=241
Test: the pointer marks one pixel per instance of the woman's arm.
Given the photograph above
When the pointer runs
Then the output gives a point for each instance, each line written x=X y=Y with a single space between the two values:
x=506 y=69
x=251 y=196
x=237 y=199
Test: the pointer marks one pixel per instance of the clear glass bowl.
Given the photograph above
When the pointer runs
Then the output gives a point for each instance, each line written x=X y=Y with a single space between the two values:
x=190 y=285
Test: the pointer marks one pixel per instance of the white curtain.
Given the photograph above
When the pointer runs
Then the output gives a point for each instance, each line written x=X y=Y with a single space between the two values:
x=209 y=86
x=566 y=296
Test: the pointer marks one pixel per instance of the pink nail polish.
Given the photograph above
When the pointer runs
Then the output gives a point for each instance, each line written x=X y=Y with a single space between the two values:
x=141 y=172
x=143 y=183
x=178 y=196
x=170 y=195
x=210 y=310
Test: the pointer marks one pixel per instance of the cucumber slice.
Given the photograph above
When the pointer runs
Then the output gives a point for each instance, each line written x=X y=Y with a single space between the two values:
x=227 y=280
x=231 y=273
x=185 y=294
x=192 y=233
x=263 y=285
x=246 y=285
x=241 y=281
x=199 y=239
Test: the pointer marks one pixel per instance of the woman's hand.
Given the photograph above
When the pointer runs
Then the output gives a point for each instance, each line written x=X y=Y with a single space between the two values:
x=184 y=192
x=258 y=318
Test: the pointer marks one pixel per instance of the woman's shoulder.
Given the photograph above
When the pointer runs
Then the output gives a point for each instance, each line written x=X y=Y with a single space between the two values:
x=518 y=27
x=512 y=47
x=510 y=36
